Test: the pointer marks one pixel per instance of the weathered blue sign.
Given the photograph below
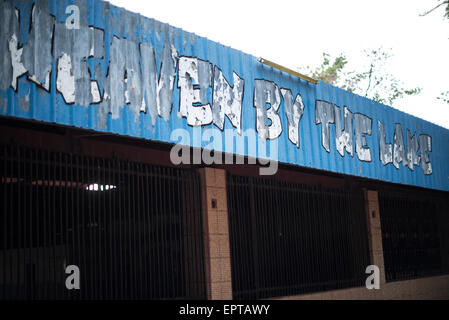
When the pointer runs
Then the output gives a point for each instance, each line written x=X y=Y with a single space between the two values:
x=88 y=64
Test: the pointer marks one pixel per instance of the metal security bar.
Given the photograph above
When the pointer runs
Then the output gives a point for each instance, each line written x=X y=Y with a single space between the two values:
x=414 y=234
x=132 y=229
x=289 y=239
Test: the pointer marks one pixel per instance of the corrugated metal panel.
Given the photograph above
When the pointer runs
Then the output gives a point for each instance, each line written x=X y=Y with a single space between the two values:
x=79 y=76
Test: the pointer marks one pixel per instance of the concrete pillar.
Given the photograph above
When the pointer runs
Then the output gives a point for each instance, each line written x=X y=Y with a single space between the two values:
x=375 y=232
x=216 y=234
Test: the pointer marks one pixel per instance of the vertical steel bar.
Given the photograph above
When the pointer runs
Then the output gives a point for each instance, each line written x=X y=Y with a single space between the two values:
x=4 y=294
x=111 y=280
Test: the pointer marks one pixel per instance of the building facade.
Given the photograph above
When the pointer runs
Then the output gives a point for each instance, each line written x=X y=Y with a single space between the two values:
x=163 y=165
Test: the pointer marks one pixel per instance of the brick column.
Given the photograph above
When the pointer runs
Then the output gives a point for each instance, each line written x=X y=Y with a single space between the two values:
x=375 y=232
x=216 y=234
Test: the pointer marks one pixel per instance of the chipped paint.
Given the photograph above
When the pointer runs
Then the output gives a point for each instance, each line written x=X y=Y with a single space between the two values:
x=149 y=77
x=17 y=66
x=125 y=67
x=115 y=83
x=343 y=137
x=4 y=104
x=40 y=40
x=227 y=100
x=166 y=82
x=294 y=112
x=65 y=82
x=95 y=92
x=425 y=143
x=362 y=128
x=413 y=158
x=324 y=115
x=9 y=25
x=133 y=84
x=81 y=43
x=385 y=149
x=24 y=103
x=267 y=93
x=399 y=154
x=194 y=78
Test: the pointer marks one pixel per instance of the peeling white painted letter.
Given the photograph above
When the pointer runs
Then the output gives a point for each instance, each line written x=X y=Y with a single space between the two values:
x=399 y=154
x=227 y=100
x=95 y=92
x=344 y=138
x=362 y=127
x=412 y=150
x=18 y=68
x=194 y=77
x=425 y=143
x=65 y=82
x=324 y=115
x=267 y=93
x=294 y=112
x=385 y=149
x=164 y=95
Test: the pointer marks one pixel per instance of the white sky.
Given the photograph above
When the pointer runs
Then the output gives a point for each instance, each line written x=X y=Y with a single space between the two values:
x=295 y=33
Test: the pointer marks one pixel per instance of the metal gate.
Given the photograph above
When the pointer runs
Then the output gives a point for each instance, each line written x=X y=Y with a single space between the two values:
x=132 y=229
x=415 y=234
x=288 y=239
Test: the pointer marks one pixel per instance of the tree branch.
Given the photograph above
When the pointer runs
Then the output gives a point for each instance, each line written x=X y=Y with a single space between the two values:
x=432 y=10
x=369 y=78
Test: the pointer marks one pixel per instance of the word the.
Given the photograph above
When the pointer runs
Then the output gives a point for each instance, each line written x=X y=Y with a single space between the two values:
x=359 y=126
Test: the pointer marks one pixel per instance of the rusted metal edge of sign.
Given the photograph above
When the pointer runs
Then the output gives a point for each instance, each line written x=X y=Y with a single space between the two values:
x=287 y=70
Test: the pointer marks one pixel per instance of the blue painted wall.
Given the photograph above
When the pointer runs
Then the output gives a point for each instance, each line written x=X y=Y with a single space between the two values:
x=31 y=100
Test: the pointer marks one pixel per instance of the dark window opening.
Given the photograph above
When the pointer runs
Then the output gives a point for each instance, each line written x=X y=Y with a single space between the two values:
x=133 y=229
x=290 y=239
x=414 y=235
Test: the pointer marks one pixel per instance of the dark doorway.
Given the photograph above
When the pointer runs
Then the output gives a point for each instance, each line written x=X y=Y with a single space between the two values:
x=133 y=229
x=289 y=239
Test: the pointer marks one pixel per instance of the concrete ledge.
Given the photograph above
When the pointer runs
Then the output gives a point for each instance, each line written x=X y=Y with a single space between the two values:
x=434 y=288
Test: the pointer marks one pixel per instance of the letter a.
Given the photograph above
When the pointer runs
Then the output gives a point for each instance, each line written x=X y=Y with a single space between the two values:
x=373 y=281
x=72 y=281
x=72 y=21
